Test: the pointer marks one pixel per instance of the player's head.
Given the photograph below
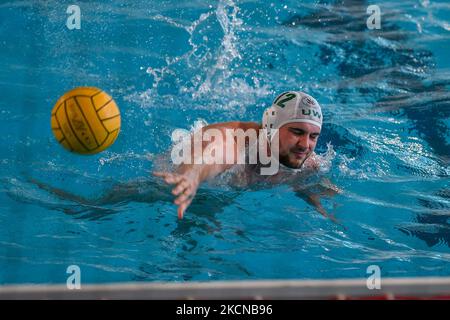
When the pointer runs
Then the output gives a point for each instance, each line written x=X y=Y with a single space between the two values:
x=295 y=118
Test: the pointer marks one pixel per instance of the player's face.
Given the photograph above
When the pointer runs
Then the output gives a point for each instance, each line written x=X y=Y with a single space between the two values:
x=297 y=141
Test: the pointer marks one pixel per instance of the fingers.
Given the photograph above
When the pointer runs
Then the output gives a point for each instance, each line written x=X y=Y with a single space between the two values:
x=183 y=208
x=181 y=187
x=187 y=194
x=160 y=174
x=170 y=178
x=183 y=201
x=183 y=190
x=180 y=213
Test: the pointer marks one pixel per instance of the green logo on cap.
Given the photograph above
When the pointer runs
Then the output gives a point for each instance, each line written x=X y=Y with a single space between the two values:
x=308 y=113
x=288 y=97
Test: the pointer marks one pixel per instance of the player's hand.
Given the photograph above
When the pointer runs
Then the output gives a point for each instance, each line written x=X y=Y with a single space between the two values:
x=186 y=185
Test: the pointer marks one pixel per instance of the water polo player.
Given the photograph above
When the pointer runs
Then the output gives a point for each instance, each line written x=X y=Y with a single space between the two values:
x=290 y=128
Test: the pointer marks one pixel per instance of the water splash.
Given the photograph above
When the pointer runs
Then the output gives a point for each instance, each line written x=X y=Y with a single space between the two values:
x=228 y=51
x=211 y=70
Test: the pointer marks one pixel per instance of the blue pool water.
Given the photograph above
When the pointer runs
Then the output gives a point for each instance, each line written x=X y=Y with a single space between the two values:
x=168 y=64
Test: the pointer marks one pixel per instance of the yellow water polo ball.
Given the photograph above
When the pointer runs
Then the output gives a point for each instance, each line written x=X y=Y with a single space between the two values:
x=85 y=120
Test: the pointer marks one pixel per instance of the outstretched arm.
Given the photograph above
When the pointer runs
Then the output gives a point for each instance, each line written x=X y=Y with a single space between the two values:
x=188 y=176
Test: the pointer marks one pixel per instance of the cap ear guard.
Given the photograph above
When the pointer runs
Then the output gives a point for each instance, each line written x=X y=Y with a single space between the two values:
x=270 y=114
x=273 y=113
x=268 y=122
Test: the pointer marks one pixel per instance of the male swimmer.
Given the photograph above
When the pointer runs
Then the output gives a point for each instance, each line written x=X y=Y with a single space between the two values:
x=292 y=124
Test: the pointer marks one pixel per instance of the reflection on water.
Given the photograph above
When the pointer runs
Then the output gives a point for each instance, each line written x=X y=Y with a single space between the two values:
x=115 y=198
x=433 y=227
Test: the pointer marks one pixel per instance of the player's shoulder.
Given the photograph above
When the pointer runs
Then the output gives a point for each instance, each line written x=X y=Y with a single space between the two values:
x=235 y=125
x=246 y=125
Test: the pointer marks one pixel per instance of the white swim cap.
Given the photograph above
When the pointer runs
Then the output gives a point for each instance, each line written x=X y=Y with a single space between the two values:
x=291 y=106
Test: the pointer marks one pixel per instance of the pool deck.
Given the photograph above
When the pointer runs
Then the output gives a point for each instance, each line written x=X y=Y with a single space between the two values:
x=342 y=289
